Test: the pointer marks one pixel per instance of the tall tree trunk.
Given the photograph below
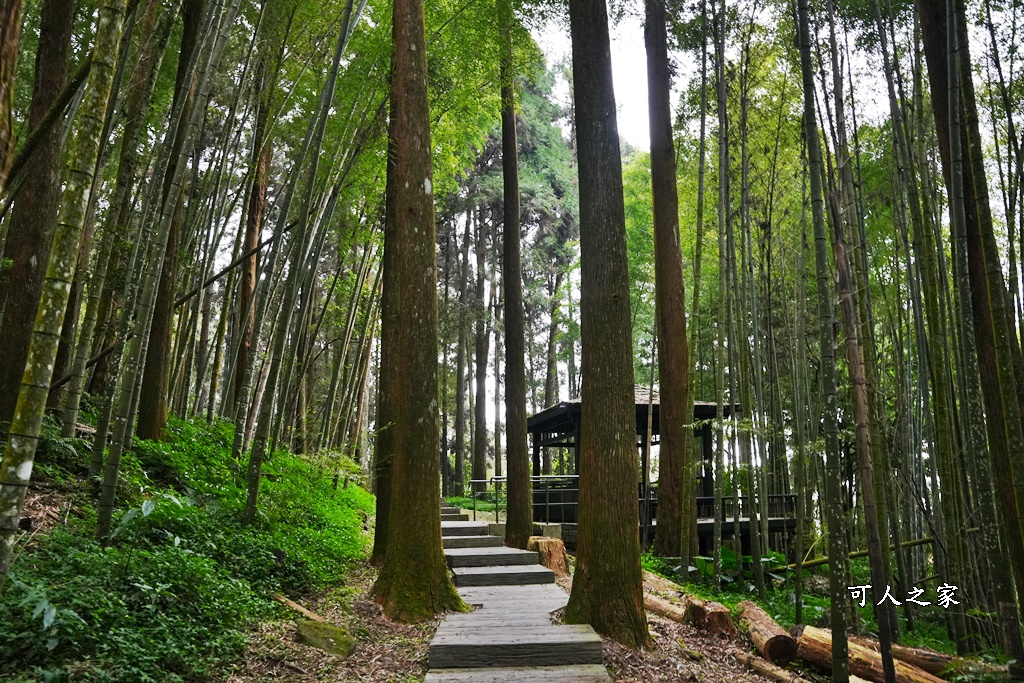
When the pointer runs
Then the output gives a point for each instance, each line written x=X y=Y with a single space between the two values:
x=34 y=216
x=413 y=584
x=607 y=589
x=833 y=493
x=388 y=378
x=461 y=362
x=670 y=295
x=153 y=406
x=688 y=543
x=16 y=467
x=10 y=38
x=260 y=164
x=497 y=308
x=721 y=358
x=519 y=525
x=551 y=359
x=845 y=210
x=483 y=337
x=993 y=331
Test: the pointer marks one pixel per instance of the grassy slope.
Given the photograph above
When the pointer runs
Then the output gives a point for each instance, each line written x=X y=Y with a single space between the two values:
x=172 y=597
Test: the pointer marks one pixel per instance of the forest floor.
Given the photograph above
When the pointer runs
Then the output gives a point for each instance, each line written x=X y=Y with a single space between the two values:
x=387 y=652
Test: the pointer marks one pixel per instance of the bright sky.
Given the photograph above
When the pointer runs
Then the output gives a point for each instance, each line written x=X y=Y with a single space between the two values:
x=629 y=72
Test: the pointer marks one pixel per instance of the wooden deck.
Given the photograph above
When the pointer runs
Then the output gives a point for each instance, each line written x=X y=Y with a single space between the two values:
x=509 y=637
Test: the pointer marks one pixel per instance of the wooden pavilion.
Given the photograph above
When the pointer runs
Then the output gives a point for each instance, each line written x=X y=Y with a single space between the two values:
x=555 y=500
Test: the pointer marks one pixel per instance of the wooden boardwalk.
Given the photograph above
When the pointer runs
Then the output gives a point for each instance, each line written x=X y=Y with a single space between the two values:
x=509 y=636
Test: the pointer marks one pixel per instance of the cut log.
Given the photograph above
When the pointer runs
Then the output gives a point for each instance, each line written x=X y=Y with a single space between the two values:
x=814 y=646
x=771 y=640
x=769 y=670
x=551 y=552
x=659 y=584
x=711 y=617
x=937 y=663
x=929 y=660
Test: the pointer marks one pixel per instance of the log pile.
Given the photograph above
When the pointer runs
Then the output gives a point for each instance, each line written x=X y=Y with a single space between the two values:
x=814 y=646
x=772 y=641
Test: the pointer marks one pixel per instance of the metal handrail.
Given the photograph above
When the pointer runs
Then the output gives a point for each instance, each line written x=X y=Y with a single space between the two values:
x=497 y=481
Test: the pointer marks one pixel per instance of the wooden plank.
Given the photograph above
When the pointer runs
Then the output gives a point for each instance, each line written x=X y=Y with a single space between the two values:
x=486 y=557
x=466 y=651
x=583 y=673
x=471 y=542
x=463 y=529
x=514 y=575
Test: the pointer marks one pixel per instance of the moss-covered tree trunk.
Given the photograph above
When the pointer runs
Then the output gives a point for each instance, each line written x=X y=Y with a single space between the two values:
x=16 y=467
x=607 y=589
x=34 y=215
x=670 y=295
x=414 y=583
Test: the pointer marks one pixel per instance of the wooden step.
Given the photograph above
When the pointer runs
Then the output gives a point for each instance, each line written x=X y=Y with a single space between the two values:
x=487 y=557
x=463 y=528
x=445 y=510
x=503 y=575
x=580 y=673
x=454 y=518
x=472 y=542
x=540 y=599
x=536 y=645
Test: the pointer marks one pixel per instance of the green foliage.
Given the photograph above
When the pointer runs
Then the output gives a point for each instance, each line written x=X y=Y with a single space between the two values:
x=171 y=598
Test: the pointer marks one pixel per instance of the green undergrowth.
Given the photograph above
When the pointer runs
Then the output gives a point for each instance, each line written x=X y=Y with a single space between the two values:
x=171 y=598
x=780 y=597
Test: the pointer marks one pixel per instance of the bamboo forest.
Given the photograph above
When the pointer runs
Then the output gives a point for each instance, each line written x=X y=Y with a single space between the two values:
x=480 y=341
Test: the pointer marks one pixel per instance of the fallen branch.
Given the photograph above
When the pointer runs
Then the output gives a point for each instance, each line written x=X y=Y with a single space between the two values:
x=312 y=616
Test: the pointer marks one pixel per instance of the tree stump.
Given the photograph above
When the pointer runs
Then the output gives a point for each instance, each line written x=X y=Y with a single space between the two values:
x=711 y=617
x=771 y=640
x=552 y=554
